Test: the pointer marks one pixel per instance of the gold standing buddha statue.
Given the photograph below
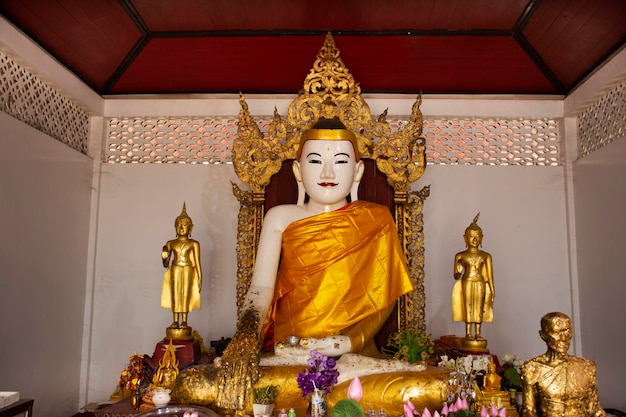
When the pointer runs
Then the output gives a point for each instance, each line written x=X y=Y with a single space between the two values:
x=474 y=292
x=182 y=280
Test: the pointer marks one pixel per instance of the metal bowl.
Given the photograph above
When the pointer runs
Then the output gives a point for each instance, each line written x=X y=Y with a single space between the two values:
x=178 y=411
x=293 y=340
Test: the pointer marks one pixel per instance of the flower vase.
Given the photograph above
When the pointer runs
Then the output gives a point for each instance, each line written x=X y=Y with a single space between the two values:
x=317 y=405
x=262 y=410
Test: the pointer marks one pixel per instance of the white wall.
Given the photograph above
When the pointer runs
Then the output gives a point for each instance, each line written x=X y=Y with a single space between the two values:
x=44 y=212
x=521 y=214
x=138 y=206
x=600 y=186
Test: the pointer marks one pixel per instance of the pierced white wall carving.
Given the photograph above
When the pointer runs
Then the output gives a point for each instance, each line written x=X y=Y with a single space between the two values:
x=471 y=141
x=602 y=122
x=208 y=140
x=185 y=140
x=32 y=101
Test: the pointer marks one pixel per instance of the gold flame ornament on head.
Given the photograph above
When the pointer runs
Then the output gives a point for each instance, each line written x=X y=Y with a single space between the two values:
x=474 y=225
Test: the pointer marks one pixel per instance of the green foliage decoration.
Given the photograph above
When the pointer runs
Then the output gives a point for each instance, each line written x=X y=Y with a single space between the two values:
x=410 y=345
x=347 y=408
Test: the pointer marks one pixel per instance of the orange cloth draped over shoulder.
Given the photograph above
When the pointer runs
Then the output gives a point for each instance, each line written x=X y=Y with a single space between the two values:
x=337 y=269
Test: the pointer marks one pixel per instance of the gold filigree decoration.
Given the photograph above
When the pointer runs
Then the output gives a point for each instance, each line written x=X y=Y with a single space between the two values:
x=403 y=158
x=410 y=221
x=255 y=159
x=248 y=233
x=329 y=91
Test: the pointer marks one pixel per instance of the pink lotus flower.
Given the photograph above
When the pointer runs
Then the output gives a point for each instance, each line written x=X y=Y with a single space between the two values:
x=426 y=413
x=445 y=410
x=502 y=412
x=484 y=412
x=458 y=404
x=464 y=404
x=436 y=414
x=355 y=390
x=409 y=409
x=493 y=411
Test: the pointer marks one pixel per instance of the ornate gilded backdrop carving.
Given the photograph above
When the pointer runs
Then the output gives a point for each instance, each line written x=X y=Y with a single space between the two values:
x=330 y=91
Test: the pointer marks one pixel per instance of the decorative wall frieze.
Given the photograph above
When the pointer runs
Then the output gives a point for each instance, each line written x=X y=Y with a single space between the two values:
x=34 y=102
x=451 y=141
x=602 y=122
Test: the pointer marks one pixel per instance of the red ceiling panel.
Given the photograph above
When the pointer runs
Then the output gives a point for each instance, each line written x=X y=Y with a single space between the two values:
x=268 y=64
x=573 y=37
x=346 y=15
x=227 y=64
x=460 y=46
x=442 y=64
x=90 y=37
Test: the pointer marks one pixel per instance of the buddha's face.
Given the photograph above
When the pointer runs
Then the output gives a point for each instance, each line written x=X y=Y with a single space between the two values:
x=328 y=169
x=473 y=238
x=557 y=334
x=183 y=227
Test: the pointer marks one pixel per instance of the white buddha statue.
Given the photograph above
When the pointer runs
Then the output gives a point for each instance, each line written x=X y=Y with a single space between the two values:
x=327 y=274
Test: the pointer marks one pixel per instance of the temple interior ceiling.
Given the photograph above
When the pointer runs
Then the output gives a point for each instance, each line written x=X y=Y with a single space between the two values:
x=267 y=47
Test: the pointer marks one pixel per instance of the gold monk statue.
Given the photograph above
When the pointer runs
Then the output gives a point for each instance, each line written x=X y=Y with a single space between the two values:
x=473 y=293
x=327 y=274
x=183 y=279
x=555 y=383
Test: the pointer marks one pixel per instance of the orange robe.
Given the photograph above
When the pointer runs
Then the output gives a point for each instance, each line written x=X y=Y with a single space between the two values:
x=337 y=269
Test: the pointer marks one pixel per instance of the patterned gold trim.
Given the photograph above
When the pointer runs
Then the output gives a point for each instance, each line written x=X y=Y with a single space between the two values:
x=330 y=91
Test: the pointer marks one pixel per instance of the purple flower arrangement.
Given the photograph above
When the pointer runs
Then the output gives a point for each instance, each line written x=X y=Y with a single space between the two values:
x=321 y=374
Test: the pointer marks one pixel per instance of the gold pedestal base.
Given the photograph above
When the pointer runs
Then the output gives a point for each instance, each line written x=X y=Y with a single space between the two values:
x=498 y=398
x=178 y=333
x=474 y=346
